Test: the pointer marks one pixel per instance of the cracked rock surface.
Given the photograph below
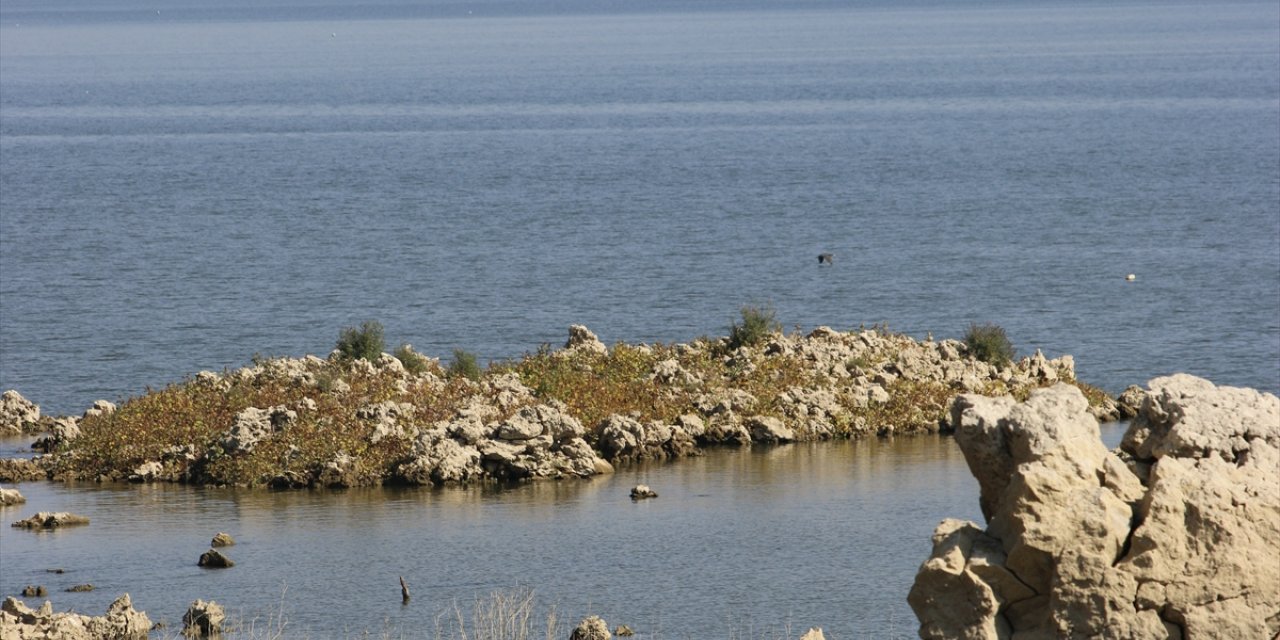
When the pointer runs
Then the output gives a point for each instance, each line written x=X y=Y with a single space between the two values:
x=1174 y=535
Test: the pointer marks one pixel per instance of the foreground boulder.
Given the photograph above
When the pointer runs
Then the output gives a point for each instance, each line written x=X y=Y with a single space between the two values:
x=1173 y=537
x=122 y=622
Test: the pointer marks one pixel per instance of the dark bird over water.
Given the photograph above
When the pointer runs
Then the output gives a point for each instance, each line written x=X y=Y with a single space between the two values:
x=825 y=258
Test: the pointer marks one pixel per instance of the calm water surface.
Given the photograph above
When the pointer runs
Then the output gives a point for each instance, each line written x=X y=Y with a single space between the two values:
x=740 y=542
x=183 y=190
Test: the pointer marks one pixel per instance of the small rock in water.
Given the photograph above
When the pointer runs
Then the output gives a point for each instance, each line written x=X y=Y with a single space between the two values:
x=80 y=588
x=591 y=628
x=222 y=540
x=623 y=630
x=51 y=520
x=203 y=619
x=215 y=560
x=1131 y=277
x=642 y=491
x=33 y=591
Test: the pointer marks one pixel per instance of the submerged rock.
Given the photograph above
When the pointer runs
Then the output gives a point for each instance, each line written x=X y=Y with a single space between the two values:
x=1160 y=541
x=642 y=492
x=51 y=520
x=213 y=559
x=10 y=497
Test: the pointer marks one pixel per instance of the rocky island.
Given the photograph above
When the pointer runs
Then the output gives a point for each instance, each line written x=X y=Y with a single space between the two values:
x=346 y=421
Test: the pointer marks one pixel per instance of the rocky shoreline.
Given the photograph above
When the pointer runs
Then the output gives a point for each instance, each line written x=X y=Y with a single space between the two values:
x=572 y=412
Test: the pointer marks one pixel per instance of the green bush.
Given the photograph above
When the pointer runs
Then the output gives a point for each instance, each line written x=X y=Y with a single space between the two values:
x=365 y=342
x=464 y=365
x=756 y=325
x=413 y=361
x=989 y=343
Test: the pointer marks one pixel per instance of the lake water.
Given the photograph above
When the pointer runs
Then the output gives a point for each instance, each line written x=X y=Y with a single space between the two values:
x=180 y=190
x=739 y=544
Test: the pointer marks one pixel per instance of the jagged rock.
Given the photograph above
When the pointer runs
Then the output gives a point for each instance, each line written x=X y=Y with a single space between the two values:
x=253 y=425
x=388 y=418
x=813 y=634
x=222 y=539
x=10 y=497
x=214 y=559
x=670 y=372
x=100 y=408
x=625 y=438
x=203 y=619
x=342 y=471
x=1129 y=402
x=623 y=631
x=61 y=431
x=17 y=414
x=591 y=628
x=531 y=422
x=146 y=472
x=642 y=492
x=122 y=622
x=438 y=459
x=581 y=339
x=769 y=429
x=1079 y=546
x=21 y=470
x=51 y=520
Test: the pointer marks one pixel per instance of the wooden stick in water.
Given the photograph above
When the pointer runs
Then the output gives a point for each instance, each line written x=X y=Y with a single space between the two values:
x=404 y=590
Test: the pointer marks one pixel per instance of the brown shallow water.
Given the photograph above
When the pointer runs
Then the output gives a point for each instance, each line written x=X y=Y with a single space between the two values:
x=741 y=543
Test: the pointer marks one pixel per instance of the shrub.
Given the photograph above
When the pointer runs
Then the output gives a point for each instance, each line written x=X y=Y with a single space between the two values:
x=464 y=365
x=365 y=342
x=413 y=361
x=989 y=343
x=756 y=325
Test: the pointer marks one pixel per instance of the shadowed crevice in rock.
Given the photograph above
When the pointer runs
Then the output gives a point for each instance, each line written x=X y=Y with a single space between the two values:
x=1164 y=538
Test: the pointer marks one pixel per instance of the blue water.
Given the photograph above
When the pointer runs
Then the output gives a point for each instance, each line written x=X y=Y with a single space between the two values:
x=179 y=191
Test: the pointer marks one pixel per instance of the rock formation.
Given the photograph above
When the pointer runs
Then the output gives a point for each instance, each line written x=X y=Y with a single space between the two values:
x=591 y=628
x=122 y=622
x=213 y=559
x=51 y=520
x=17 y=414
x=1173 y=536
x=222 y=539
x=203 y=619
x=642 y=492
x=10 y=497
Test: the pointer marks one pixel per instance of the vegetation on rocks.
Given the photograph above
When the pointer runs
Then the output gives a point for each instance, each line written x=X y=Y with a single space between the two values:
x=989 y=343
x=363 y=343
x=353 y=420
